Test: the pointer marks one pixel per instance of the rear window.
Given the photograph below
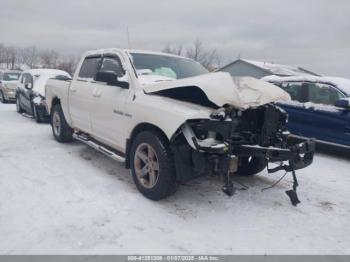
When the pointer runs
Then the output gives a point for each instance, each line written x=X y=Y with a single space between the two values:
x=11 y=76
x=89 y=67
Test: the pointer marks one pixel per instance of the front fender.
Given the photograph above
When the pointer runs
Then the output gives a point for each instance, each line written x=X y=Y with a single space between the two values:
x=165 y=113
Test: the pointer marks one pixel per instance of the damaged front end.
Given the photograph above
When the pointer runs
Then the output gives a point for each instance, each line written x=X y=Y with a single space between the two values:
x=243 y=142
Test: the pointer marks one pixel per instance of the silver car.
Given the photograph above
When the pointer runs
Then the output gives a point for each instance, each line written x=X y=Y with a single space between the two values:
x=8 y=83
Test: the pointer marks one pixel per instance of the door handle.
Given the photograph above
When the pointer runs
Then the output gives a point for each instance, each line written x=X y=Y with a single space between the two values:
x=73 y=90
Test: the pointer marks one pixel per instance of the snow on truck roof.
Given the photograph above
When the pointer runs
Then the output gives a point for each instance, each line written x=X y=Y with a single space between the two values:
x=342 y=83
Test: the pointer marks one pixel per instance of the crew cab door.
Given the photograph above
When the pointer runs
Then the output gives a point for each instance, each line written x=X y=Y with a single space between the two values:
x=80 y=97
x=109 y=117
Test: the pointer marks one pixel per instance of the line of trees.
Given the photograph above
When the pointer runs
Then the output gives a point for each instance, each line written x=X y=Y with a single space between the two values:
x=12 y=57
x=209 y=58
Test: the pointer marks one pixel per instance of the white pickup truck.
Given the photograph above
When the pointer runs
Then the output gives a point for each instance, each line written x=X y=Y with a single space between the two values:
x=171 y=120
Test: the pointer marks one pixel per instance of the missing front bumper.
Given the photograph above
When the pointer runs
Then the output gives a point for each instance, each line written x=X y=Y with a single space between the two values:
x=212 y=156
x=298 y=156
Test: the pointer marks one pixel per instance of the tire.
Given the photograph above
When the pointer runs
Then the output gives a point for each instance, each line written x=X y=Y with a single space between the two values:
x=164 y=182
x=18 y=106
x=2 y=98
x=251 y=166
x=60 y=129
x=37 y=115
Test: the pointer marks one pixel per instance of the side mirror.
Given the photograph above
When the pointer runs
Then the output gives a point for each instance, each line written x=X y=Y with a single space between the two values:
x=111 y=79
x=28 y=86
x=343 y=102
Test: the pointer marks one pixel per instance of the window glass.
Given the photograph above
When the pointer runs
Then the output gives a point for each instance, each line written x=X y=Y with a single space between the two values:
x=89 y=67
x=168 y=66
x=295 y=90
x=323 y=94
x=112 y=64
x=11 y=76
x=28 y=79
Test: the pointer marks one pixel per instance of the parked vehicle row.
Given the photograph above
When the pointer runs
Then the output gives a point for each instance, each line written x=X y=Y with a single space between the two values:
x=320 y=107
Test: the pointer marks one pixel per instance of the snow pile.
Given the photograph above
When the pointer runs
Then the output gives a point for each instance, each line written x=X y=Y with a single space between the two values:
x=42 y=75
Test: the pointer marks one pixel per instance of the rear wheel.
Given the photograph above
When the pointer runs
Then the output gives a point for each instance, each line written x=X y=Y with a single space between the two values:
x=250 y=166
x=152 y=165
x=18 y=106
x=61 y=130
x=2 y=98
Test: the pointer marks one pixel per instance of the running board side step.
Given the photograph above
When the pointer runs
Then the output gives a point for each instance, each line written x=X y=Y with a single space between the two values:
x=95 y=145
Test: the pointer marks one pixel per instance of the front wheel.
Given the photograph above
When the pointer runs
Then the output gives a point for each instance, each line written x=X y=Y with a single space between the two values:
x=250 y=166
x=2 y=98
x=152 y=165
x=61 y=130
x=18 y=106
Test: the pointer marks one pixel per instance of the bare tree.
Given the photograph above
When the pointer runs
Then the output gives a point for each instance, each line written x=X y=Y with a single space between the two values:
x=173 y=49
x=30 y=56
x=11 y=56
x=49 y=58
x=210 y=59
x=2 y=53
x=68 y=64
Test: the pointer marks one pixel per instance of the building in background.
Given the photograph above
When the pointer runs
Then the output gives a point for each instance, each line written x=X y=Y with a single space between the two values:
x=244 y=67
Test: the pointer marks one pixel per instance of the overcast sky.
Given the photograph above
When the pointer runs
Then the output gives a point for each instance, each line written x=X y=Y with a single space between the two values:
x=312 y=34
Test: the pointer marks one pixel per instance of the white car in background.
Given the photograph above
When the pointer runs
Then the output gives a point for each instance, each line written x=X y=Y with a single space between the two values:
x=30 y=93
x=8 y=83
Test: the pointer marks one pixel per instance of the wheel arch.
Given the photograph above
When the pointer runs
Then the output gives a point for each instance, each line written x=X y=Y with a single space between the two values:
x=138 y=129
x=55 y=101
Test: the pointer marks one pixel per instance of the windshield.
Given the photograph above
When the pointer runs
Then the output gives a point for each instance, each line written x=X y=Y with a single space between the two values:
x=11 y=76
x=168 y=66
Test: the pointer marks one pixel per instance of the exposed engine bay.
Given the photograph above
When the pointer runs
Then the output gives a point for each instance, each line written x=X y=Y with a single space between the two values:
x=239 y=141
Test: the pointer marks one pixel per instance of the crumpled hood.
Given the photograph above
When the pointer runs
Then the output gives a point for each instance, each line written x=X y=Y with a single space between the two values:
x=222 y=89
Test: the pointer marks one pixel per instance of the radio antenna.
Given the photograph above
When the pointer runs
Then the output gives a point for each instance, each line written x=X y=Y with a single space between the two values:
x=128 y=35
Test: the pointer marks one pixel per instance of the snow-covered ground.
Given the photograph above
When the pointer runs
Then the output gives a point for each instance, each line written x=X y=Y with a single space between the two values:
x=67 y=198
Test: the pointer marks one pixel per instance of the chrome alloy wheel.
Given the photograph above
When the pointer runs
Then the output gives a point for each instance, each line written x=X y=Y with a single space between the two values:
x=146 y=165
x=56 y=123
